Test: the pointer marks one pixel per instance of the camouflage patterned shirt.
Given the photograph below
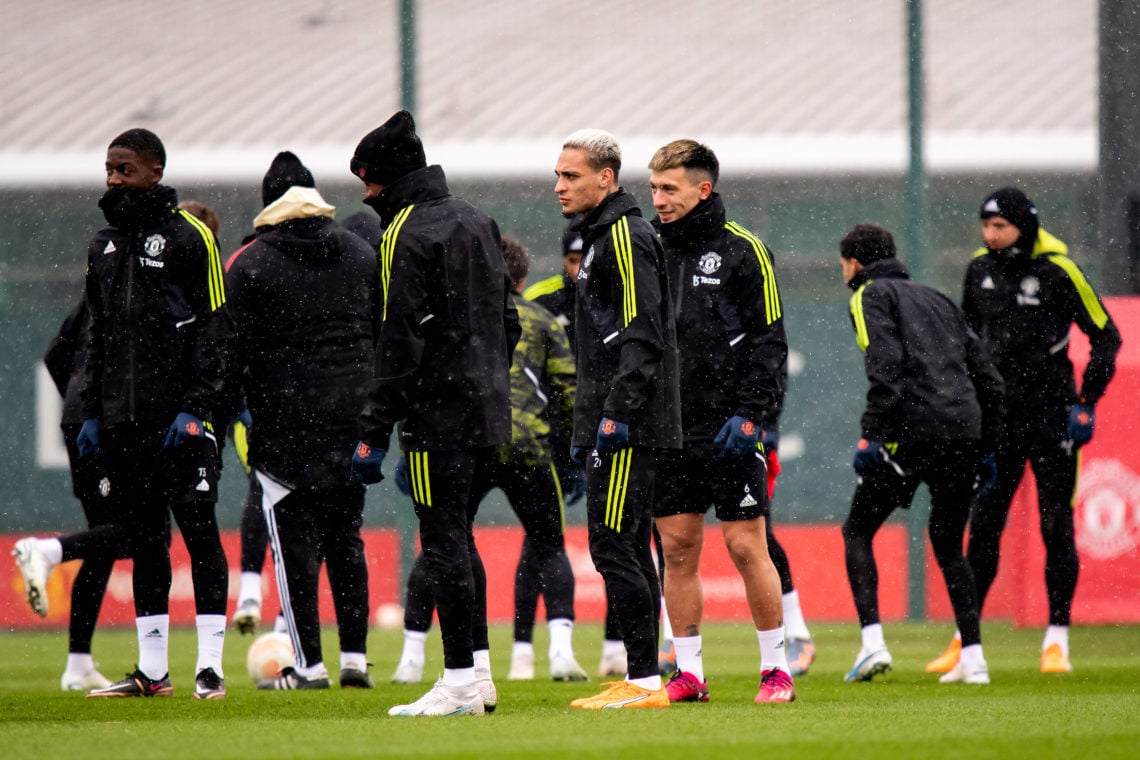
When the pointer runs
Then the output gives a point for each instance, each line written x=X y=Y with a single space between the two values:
x=542 y=384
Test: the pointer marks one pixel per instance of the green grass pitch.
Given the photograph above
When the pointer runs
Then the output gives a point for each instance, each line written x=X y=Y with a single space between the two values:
x=1093 y=712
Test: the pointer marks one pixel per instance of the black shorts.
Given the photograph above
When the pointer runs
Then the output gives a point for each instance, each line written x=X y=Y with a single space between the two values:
x=689 y=483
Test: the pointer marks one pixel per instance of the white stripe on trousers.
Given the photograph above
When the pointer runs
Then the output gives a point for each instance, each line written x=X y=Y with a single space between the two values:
x=271 y=493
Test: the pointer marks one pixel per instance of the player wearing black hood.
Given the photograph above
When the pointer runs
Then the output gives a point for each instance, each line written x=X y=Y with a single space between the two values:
x=154 y=355
x=304 y=297
x=1022 y=294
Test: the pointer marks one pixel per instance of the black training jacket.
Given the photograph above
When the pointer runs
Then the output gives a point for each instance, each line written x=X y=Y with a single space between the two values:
x=1023 y=306
x=626 y=344
x=449 y=328
x=157 y=305
x=304 y=298
x=64 y=361
x=931 y=377
x=730 y=324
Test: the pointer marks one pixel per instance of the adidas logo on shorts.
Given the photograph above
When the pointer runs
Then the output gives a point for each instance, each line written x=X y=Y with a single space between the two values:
x=748 y=500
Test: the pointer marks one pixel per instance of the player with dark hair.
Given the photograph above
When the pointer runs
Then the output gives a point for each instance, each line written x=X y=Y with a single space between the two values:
x=152 y=375
x=934 y=409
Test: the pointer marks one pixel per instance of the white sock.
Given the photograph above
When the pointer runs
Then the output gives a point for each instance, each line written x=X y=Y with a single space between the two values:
x=794 y=624
x=772 y=651
x=211 y=638
x=249 y=587
x=79 y=663
x=689 y=658
x=458 y=676
x=561 y=630
x=353 y=661
x=482 y=659
x=154 y=635
x=612 y=647
x=873 y=637
x=666 y=626
x=316 y=670
x=653 y=683
x=522 y=648
x=413 y=647
x=972 y=655
x=1057 y=634
x=52 y=550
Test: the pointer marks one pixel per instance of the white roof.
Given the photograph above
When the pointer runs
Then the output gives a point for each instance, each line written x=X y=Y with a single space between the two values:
x=777 y=86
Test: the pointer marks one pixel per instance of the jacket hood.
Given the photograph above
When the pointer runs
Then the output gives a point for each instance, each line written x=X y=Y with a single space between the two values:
x=311 y=239
x=883 y=269
x=297 y=203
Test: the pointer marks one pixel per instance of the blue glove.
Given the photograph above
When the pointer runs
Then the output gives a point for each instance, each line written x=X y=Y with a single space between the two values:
x=366 y=463
x=987 y=471
x=869 y=456
x=578 y=454
x=613 y=436
x=90 y=437
x=184 y=427
x=576 y=486
x=1082 y=419
x=770 y=439
x=400 y=477
x=245 y=418
x=739 y=437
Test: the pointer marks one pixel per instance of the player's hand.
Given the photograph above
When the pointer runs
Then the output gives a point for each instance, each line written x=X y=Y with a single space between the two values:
x=770 y=439
x=613 y=436
x=366 y=463
x=869 y=456
x=987 y=471
x=400 y=477
x=576 y=486
x=578 y=454
x=739 y=437
x=90 y=437
x=1082 y=420
x=242 y=426
x=184 y=427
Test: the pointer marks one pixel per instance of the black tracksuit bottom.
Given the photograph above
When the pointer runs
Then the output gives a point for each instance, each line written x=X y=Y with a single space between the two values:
x=619 y=515
x=543 y=569
x=306 y=528
x=949 y=470
x=147 y=484
x=1037 y=440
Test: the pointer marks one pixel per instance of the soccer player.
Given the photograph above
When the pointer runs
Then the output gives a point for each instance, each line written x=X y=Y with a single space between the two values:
x=730 y=337
x=934 y=408
x=1022 y=294
x=442 y=371
x=628 y=408
x=304 y=298
x=542 y=385
x=151 y=380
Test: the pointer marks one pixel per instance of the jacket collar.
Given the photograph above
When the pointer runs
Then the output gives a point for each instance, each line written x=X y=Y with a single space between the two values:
x=417 y=186
x=883 y=269
x=701 y=225
x=614 y=207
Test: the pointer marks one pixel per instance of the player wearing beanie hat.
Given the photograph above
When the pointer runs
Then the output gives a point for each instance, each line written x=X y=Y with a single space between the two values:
x=442 y=373
x=1014 y=206
x=285 y=172
x=1022 y=295
x=389 y=152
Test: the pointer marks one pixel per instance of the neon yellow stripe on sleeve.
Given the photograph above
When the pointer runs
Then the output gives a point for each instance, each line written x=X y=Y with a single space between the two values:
x=388 y=250
x=623 y=251
x=215 y=275
x=861 y=337
x=1084 y=290
x=772 y=308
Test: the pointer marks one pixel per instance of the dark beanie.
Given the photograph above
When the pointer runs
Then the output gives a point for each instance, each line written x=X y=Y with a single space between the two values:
x=1015 y=207
x=285 y=172
x=141 y=141
x=389 y=152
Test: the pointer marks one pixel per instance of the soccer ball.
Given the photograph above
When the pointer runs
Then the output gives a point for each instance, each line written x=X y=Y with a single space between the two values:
x=268 y=655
